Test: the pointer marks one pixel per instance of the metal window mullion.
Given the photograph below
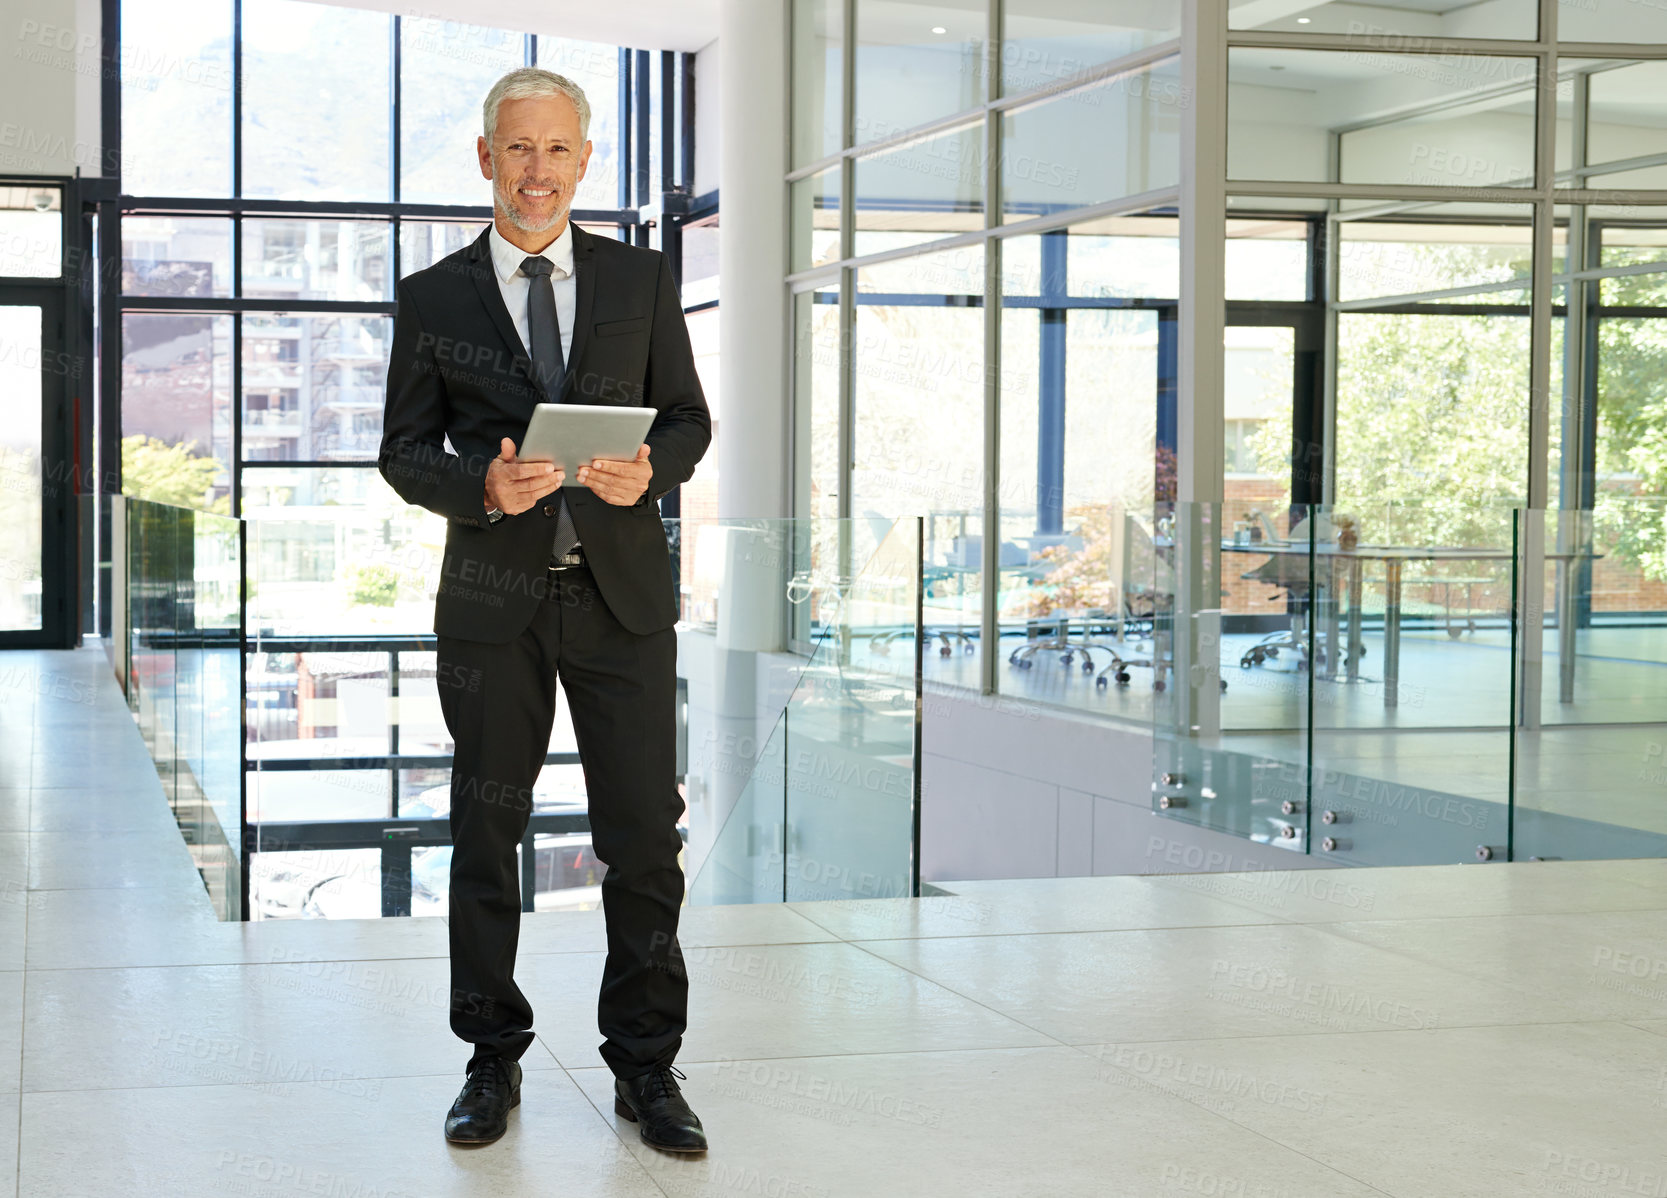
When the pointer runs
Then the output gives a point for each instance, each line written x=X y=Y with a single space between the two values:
x=236 y=398
x=686 y=122
x=847 y=239
x=668 y=121
x=623 y=148
x=395 y=87
x=393 y=732
x=989 y=568
x=1528 y=658
x=1576 y=453
x=237 y=101
x=1143 y=203
x=642 y=115
x=1540 y=282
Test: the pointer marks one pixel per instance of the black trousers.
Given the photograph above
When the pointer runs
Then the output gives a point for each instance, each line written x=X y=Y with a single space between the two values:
x=499 y=703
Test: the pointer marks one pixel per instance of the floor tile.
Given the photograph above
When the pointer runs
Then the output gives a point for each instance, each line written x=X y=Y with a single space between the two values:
x=1458 y=1112
x=1436 y=891
x=1600 y=965
x=1184 y=983
x=94 y=861
x=1027 y=905
x=987 y=1124
x=191 y=1025
x=137 y=926
x=86 y=810
x=774 y=1000
x=697 y=927
x=360 y=1137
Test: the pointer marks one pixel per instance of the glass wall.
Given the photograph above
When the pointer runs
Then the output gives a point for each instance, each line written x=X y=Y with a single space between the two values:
x=1396 y=529
x=966 y=277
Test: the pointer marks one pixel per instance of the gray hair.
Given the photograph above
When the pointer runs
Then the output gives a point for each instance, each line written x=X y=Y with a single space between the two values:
x=530 y=83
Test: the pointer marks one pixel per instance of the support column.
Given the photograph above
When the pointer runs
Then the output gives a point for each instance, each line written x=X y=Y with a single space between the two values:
x=754 y=325
x=1203 y=318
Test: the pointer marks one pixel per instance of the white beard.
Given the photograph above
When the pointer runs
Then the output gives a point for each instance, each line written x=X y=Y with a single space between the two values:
x=501 y=202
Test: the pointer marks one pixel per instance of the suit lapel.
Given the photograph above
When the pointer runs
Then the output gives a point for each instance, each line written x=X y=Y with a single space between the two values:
x=584 y=247
x=492 y=298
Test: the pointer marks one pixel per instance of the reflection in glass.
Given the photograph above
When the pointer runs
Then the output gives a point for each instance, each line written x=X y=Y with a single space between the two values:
x=1408 y=119
x=176 y=98
x=594 y=67
x=918 y=399
x=1626 y=113
x=816 y=473
x=288 y=487
x=422 y=243
x=1381 y=258
x=916 y=62
x=316 y=259
x=814 y=220
x=1079 y=467
x=920 y=191
x=176 y=256
x=316 y=101
x=818 y=42
x=177 y=409
x=1044 y=167
x=1394 y=18
x=1267 y=259
x=313 y=386
x=446 y=68
x=1611 y=21
x=1432 y=425
x=1045 y=42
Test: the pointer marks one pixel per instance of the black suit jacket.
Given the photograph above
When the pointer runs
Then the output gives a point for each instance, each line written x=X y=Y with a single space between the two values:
x=458 y=371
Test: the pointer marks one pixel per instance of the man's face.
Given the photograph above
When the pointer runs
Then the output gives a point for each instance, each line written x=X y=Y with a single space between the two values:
x=535 y=161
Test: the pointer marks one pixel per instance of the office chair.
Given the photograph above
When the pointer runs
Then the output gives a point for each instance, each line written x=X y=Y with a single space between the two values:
x=1289 y=573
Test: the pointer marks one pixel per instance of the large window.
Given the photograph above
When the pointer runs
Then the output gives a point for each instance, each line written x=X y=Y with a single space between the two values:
x=261 y=243
x=966 y=273
x=254 y=341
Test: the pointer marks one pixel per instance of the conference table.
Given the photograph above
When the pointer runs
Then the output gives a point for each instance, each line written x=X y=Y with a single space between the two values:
x=1352 y=561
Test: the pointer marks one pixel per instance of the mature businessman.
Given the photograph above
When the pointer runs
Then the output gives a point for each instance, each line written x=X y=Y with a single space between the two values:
x=541 y=582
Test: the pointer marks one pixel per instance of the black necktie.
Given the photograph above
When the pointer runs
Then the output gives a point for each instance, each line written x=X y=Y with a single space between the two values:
x=544 y=336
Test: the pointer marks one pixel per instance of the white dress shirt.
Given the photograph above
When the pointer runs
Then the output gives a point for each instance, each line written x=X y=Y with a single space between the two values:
x=506 y=263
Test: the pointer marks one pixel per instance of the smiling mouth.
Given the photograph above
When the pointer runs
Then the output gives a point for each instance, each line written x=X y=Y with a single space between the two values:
x=537 y=193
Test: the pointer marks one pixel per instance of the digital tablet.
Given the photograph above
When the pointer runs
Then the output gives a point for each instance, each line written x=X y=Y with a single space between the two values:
x=572 y=435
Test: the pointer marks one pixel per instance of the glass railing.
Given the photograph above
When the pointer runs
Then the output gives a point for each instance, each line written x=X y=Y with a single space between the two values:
x=821 y=800
x=1590 y=778
x=1410 y=684
x=348 y=761
x=177 y=647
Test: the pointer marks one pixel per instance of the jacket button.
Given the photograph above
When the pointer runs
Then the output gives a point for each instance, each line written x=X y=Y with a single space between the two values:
x=549 y=509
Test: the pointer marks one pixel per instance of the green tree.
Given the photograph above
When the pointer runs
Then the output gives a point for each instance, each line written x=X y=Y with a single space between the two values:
x=375 y=585
x=164 y=473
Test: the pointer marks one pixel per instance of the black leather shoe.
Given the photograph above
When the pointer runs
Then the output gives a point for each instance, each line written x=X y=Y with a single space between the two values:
x=481 y=1112
x=655 y=1103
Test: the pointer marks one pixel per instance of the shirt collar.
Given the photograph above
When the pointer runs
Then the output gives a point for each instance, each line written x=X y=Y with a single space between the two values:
x=507 y=257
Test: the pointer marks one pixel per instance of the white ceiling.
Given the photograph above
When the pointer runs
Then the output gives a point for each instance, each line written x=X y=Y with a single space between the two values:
x=641 y=24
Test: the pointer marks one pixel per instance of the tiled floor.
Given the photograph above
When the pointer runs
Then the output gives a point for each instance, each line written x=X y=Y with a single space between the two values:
x=1427 y=1033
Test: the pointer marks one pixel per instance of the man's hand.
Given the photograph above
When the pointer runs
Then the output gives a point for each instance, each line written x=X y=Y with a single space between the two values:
x=513 y=486
x=620 y=483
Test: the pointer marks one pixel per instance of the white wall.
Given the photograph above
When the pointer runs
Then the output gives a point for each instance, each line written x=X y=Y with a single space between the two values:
x=708 y=126
x=1011 y=789
x=49 y=87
